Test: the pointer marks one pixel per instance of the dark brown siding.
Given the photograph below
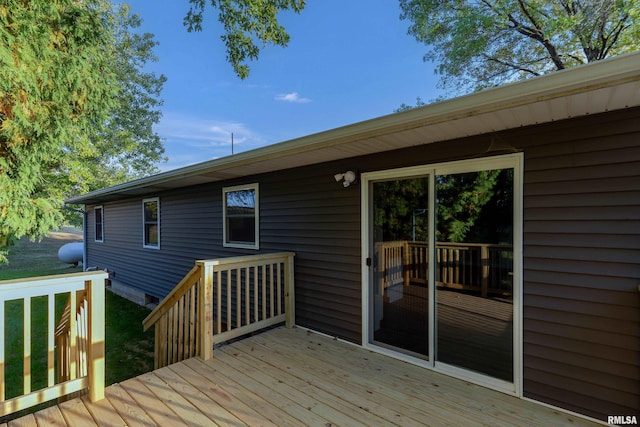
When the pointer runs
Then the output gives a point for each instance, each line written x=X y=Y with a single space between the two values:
x=304 y=211
x=582 y=265
x=581 y=249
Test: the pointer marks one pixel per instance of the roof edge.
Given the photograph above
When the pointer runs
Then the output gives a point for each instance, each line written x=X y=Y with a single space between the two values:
x=592 y=76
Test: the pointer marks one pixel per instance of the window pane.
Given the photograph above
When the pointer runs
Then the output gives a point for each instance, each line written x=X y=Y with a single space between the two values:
x=151 y=211
x=240 y=216
x=474 y=271
x=98 y=214
x=401 y=250
x=151 y=234
x=151 y=223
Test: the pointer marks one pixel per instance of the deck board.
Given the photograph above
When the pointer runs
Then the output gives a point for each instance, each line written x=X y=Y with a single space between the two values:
x=76 y=414
x=127 y=408
x=50 y=417
x=294 y=377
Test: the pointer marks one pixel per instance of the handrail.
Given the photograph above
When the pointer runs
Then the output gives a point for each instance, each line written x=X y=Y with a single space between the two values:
x=176 y=293
x=263 y=288
x=481 y=267
x=176 y=321
x=85 y=333
x=221 y=299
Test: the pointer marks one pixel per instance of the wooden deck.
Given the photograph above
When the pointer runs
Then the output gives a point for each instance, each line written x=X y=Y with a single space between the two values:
x=290 y=377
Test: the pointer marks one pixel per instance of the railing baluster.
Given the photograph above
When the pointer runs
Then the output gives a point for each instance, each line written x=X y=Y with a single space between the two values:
x=51 y=333
x=158 y=359
x=229 y=306
x=181 y=331
x=192 y=322
x=247 y=297
x=26 y=314
x=279 y=286
x=82 y=344
x=218 y=290
x=271 y=291
x=176 y=331
x=238 y=283
x=169 y=337
x=256 y=294
x=3 y=337
x=263 y=281
x=73 y=329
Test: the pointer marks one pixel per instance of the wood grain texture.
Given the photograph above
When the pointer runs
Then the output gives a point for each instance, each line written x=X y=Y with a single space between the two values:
x=291 y=377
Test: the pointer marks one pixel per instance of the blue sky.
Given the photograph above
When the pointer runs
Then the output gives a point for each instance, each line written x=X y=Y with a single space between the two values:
x=347 y=61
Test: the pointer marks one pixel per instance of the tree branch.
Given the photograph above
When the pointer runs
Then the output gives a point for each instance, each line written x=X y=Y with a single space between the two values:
x=512 y=65
x=613 y=37
x=538 y=34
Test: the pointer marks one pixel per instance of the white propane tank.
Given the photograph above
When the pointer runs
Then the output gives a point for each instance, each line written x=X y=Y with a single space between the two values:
x=71 y=253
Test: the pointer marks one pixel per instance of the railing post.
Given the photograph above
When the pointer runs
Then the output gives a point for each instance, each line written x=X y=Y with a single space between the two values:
x=290 y=301
x=406 y=264
x=96 y=352
x=205 y=311
x=484 y=262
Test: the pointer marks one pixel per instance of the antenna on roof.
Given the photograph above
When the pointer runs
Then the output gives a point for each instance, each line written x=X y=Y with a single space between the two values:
x=232 y=143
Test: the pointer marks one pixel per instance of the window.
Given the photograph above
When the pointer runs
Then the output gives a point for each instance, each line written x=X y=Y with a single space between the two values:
x=99 y=224
x=151 y=223
x=241 y=216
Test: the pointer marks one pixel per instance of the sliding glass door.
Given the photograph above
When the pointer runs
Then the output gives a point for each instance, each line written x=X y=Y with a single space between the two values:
x=401 y=249
x=441 y=276
x=474 y=271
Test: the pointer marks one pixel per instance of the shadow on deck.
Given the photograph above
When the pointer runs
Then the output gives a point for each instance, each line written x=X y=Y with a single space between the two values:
x=291 y=377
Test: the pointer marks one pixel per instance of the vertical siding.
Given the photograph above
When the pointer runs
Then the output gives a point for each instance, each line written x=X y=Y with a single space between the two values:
x=582 y=265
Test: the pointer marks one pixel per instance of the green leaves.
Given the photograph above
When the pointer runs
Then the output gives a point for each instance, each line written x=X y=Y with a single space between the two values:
x=249 y=25
x=75 y=106
x=476 y=44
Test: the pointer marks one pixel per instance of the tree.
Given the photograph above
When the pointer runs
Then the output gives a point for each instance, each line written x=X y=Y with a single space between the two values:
x=126 y=146
x=481 y=43
x=65 y=97
x=247 y=23
x=470 y=207
x=463 y=199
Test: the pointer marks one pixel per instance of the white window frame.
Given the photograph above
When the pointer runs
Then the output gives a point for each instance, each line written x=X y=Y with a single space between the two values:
x=512 y=161
x=144 y=224
x=95 y=224
x=242 y=245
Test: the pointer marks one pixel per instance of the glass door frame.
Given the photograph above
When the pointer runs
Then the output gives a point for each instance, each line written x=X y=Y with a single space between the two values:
x=509 y=161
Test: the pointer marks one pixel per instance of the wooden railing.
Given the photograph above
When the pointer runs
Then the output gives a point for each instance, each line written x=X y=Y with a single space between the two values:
x=480 y=267
x=80 y=337
x=68 y=359
x=176 y=321
x=222 y=299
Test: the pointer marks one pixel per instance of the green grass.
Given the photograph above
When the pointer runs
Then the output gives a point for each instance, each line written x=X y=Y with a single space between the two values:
x=29 y=259
x=129 y=351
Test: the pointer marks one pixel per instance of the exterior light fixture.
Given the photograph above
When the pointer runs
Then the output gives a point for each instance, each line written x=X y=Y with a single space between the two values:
x=347 y=178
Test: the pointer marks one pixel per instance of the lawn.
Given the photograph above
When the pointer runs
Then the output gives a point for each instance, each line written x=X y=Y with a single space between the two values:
x=129 y=351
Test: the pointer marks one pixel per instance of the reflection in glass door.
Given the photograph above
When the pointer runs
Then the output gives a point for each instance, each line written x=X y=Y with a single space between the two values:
x=474 y=271
x=442 y=281
x=400 y=288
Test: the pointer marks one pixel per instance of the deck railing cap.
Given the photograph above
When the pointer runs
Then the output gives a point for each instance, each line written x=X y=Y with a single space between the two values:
x=243 y=258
